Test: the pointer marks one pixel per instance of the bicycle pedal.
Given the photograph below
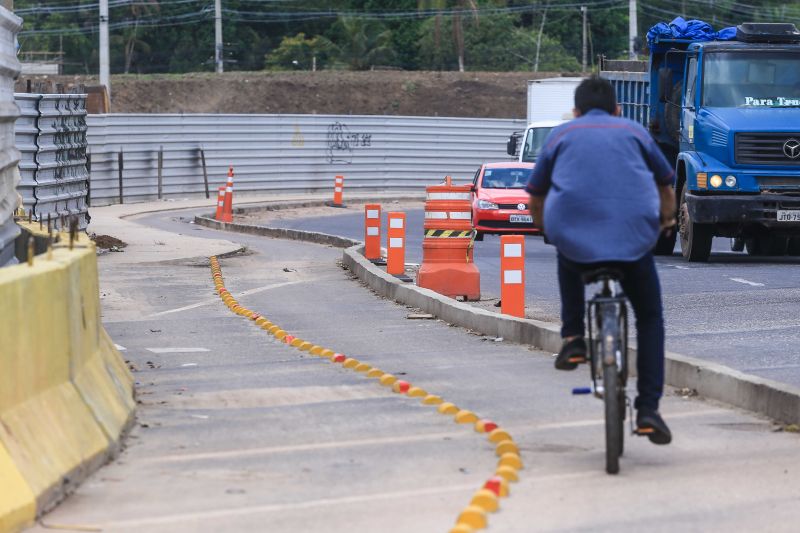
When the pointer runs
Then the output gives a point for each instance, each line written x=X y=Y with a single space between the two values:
x=582 y=390
x=645 y=431
x=577 y=360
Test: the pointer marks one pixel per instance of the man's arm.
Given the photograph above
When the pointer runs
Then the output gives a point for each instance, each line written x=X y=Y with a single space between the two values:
x=537 y=211
x=666 y=195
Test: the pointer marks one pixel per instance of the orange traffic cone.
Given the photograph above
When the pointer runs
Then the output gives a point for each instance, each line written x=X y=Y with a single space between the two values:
x=227 y=209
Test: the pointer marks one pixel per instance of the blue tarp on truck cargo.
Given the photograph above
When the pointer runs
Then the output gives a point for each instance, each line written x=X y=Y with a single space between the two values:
x=693 y=30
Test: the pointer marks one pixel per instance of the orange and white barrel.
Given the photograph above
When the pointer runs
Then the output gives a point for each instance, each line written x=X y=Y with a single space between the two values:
x=447 y=263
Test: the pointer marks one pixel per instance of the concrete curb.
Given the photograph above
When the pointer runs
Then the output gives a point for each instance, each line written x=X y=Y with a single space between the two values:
x=711 y=380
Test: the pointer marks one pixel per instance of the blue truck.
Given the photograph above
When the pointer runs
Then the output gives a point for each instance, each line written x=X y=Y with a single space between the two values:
x=728 y=114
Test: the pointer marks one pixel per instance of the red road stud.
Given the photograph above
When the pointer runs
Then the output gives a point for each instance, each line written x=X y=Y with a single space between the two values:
x=339 y=358
x=288 y=339
x=255 y=316
x=402 y=386
x=487 y=425
x=494 y=484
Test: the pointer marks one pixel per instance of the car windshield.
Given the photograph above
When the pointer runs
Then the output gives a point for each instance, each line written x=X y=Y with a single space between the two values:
x=751 y=79
x=506 y=178
x=534 y=142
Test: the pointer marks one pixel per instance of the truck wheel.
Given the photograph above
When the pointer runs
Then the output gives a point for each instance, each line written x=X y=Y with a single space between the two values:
x=695 y=238
x=666 y=243
x=794 y=246
x=737 y=244
x=478 y=235
x=765 y=245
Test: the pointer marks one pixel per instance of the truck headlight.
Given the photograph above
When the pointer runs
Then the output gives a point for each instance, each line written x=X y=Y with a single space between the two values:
x=485 y=204
x=715 y=181
x=730 y=181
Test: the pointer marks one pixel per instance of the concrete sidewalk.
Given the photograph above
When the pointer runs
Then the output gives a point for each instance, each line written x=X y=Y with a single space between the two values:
x=241 y=433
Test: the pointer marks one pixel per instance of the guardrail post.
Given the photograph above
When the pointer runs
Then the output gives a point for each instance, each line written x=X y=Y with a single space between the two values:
x=119 y=170
x=396 y=249
x=160 y=172
x=205 y=170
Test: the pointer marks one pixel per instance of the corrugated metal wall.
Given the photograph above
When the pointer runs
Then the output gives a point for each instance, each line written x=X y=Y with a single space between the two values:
x=9 y=155
x=51 y=134
x=285 y=152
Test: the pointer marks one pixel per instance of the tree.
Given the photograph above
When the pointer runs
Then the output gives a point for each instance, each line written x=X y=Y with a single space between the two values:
x=299 y=52
x=360 y=44
x=456 y=22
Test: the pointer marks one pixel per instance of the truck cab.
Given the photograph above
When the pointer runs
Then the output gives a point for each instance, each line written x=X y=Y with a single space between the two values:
x=532 y=140
x=728 y=114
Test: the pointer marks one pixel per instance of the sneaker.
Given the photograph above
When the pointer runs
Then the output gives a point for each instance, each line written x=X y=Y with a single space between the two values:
x=650 y=424
x=572 y=354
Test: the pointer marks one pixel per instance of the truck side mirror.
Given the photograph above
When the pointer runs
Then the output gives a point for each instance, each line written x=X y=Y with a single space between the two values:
x=664 y=83
x=513 y=144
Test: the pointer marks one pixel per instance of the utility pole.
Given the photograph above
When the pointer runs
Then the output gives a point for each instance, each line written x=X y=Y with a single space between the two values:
x=583 y=11
x=218 y=36
x=104 y=69
x=633 y=25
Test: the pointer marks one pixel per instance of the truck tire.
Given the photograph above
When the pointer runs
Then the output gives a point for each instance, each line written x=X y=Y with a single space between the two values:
x=767 y=245
x=666 y=243
x=737 y=244
x=794 y=246
x=696 y=238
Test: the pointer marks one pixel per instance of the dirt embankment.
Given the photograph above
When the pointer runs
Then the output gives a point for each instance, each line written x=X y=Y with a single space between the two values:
x=447 y=94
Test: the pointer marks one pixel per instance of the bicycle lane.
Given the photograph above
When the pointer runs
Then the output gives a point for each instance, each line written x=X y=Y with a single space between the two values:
x=293 y=443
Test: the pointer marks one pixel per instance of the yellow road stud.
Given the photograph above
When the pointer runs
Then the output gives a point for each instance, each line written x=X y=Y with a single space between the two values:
x=510 y=459
x=296 y=343
x=466 y=417
x=316 y=350
x=273 y=329
x=304 y=347
x=499 y=435
x=375 y=373
x=486 y=500
x=472 y=516
x=448 y=408
x=260 y=321
x=416 y=392
x=266 y=325
x=326 y=353
x=363 y=367
x=351 y=363
x=506 y=446
x=507 y=473
x=387 y=380
x=432 y=399
x=462 y=528
x=279 y=334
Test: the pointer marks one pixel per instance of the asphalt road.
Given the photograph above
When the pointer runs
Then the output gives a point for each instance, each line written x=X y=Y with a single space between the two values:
x=737 y=310
x=240 y=433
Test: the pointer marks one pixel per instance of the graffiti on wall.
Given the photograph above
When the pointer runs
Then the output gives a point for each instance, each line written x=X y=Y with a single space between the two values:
x=341 y=143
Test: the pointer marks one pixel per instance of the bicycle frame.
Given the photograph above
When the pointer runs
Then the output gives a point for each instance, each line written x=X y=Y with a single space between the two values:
x=607 y=303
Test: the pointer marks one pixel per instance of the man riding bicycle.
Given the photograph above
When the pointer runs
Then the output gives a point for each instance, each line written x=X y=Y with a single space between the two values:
x=601 y=191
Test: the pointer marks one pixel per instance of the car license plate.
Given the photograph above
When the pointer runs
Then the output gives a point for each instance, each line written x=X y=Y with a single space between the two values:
x=789 y=216
x=529 y=219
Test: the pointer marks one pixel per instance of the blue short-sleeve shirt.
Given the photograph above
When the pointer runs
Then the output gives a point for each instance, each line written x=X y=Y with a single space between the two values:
x=599 y=173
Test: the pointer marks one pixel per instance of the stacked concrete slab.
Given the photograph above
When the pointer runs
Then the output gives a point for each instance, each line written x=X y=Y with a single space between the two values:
x=51 y=135
x=9 y=156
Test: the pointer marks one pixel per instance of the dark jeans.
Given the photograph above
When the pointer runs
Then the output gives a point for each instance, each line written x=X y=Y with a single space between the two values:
x=642 y=288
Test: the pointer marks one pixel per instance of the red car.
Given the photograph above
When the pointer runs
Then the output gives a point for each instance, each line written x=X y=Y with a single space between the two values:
x=500 y=202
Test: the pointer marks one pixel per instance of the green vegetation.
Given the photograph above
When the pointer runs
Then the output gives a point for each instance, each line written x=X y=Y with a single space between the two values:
x=152 y=36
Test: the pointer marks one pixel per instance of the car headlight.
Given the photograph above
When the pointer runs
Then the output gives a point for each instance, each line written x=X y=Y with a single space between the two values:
x=485 y=204
x=730 y=181
x=715 y=181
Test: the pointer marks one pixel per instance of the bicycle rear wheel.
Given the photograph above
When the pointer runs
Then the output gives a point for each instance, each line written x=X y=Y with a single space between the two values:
x=614 y=435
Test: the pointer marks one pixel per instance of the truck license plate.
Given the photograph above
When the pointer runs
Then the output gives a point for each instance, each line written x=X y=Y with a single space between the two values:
x=789 y=216
x=529 y=219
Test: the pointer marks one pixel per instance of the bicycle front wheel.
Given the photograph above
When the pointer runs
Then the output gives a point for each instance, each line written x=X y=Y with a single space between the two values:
x=614 y=434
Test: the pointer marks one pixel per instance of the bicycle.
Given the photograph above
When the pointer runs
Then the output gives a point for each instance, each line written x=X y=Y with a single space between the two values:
x=607 y=318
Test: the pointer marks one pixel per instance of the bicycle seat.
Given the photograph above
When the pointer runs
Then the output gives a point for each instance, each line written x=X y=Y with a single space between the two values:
x=601 y=274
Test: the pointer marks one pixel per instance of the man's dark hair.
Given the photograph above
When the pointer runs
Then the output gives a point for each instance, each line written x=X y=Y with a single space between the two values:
x=595 y=93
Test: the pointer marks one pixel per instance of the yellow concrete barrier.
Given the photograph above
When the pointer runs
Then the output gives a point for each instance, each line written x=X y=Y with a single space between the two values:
x=66 y=396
